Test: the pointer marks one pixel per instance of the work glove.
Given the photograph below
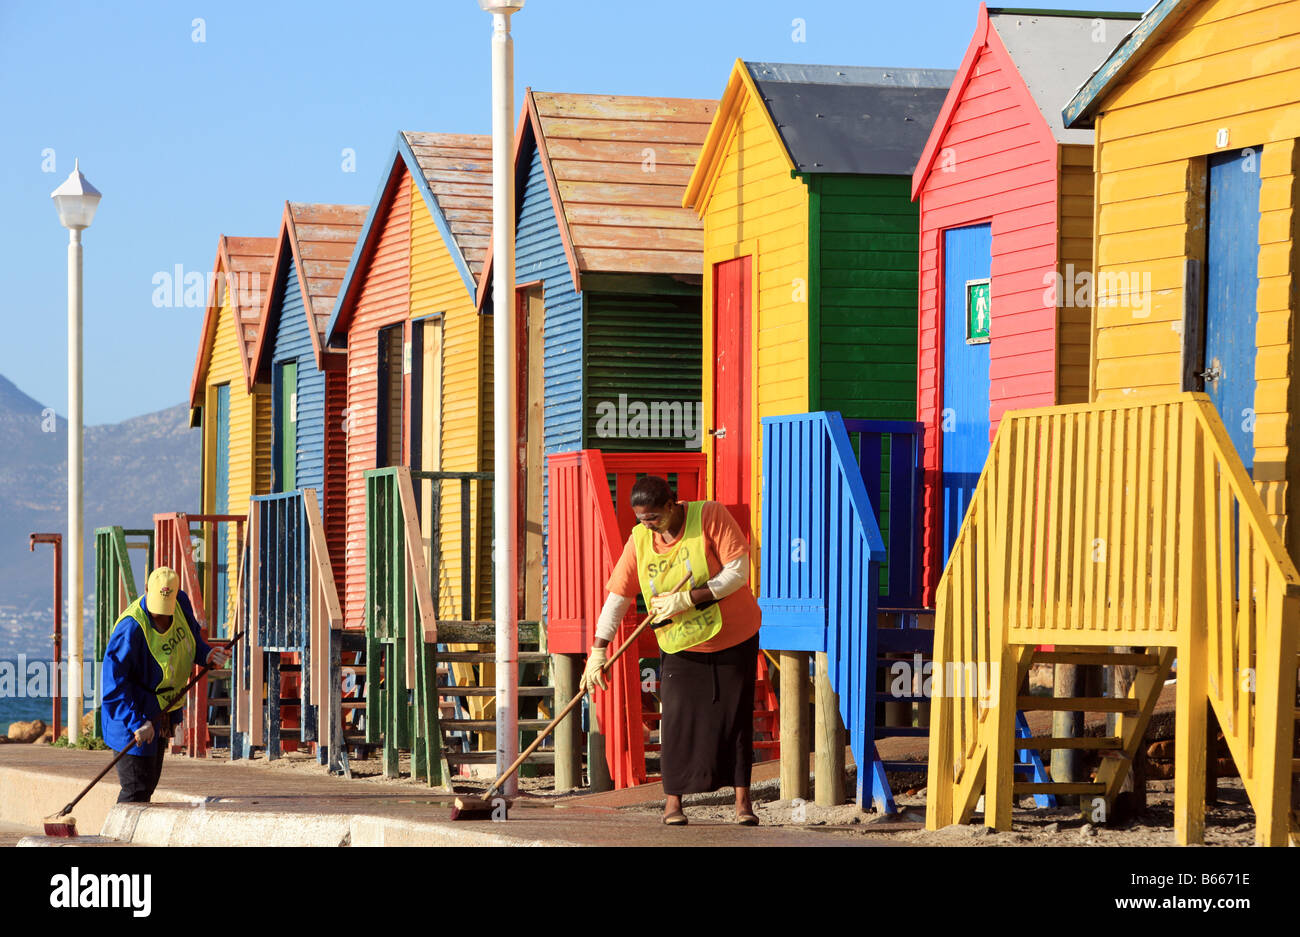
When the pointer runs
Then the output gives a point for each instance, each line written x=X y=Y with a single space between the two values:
x=670 y=605
x=594 y=675
x=144 y=734
x=218 y=657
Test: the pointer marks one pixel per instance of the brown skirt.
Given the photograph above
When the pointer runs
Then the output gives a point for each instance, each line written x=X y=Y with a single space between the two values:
x=707 y=730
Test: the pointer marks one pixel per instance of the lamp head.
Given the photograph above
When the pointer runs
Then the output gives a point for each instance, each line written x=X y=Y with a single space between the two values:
x=501 y=6
x=76 y=200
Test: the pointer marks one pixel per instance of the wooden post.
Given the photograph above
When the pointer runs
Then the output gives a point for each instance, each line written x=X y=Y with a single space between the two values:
x=795 y=741
x=829 y=731
x=567 y=669
x=1190 y=711
x=1066 y=725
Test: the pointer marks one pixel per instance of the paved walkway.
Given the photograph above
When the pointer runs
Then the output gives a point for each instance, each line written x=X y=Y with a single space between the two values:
x=221 y=803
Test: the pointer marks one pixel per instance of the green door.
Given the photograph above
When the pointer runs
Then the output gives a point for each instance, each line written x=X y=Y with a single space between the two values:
x=286 y=428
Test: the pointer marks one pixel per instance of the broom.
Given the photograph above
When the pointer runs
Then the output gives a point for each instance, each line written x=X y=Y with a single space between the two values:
x=482 y=808
x=63 y=825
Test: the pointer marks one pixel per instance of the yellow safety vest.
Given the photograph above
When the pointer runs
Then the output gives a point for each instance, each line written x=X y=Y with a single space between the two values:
x=660 y=572
x=172 y=649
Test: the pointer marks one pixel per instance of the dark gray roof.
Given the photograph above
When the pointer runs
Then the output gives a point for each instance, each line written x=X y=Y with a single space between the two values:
x=849 y=119
x=1056 y=53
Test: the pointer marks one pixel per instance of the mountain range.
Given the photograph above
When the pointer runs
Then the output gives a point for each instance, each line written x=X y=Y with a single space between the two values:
x=133 y=469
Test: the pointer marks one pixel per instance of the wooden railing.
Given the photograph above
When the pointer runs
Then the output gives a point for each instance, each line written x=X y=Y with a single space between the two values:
x=821 y=557
x=114 y=590
x=591 y=518
x=1116 y=526
x=401 y=630
x=325 y=629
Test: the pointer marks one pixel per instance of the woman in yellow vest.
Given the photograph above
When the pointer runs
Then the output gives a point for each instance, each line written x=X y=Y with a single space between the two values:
x=708 y=635
x=150 y=656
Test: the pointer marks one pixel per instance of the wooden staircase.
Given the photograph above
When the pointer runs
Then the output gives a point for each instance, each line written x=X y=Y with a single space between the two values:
x=1124 y=536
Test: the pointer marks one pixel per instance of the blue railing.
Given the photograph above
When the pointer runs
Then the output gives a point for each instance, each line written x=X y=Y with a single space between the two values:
x=820 y=563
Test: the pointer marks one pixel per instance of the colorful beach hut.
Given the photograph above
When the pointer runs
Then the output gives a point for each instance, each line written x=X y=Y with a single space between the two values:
x=418 y=393
x=607 y=273
x=233 y=410
x=1005 y=193
x=809 y=251
x=308 y=381
x=1196 y=117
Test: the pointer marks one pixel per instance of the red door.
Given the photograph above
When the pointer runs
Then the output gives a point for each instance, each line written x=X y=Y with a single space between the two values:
x=732 y=386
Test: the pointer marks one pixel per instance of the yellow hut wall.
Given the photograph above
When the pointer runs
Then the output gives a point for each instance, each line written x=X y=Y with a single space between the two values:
x=1229 y=64
x=437 y=289
x=754 y=206
x=247 y=474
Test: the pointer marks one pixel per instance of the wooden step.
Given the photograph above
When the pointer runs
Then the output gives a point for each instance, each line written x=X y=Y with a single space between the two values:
x=541 y=756
x=218 y=700
x=492 y=691
x=1045 y=742
x=452 y=631
x=1053 y=787
x=1078 y=704
x=222 y=731
x=490 y=725
x=487 y=657
x=1096 y=658
x=354 y=704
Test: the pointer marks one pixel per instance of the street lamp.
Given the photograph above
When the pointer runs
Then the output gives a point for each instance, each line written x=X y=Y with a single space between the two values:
x=76 y=201
x=504 y=480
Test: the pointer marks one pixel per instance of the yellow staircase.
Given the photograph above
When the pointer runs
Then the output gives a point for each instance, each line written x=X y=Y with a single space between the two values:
x=1122 y=535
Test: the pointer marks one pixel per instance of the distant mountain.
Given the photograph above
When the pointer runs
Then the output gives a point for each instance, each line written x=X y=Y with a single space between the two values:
x=133 y=469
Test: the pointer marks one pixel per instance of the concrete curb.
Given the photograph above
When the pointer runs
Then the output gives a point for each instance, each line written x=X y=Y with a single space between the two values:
x=185 y=825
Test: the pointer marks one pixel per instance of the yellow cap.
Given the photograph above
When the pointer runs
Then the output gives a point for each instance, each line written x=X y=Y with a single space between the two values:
x=163 y=586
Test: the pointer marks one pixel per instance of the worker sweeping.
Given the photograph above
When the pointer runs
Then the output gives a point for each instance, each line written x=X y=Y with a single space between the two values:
x=708 y=636
x=151 y=652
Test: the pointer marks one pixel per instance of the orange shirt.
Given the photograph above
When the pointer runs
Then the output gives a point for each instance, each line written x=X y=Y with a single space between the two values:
x=723 y=542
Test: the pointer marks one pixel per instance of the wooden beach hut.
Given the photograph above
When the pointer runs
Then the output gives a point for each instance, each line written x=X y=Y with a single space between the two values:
x=233 y=410
x=809 y=251
x=1005 y=193
x=418 y=394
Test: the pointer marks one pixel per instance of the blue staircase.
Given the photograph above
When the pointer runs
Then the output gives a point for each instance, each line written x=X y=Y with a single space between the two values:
x=840 y=573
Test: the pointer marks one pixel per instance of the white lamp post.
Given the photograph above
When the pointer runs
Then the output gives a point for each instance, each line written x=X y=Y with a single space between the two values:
x=504 y=480
x=76 y=201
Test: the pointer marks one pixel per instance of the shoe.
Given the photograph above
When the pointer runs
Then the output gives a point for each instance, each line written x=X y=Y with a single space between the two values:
x=675 y=819
x=746 y=819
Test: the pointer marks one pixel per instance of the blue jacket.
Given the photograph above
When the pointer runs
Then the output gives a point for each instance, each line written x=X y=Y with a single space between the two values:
x=130 y=677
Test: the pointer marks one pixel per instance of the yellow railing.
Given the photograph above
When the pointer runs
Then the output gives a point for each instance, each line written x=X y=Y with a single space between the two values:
x=1115 y=526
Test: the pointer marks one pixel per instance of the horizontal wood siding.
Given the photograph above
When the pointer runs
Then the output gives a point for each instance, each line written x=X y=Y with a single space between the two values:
x=1074 y=306
x=1230 y=64
x=866 y=273
x=997 y=162
x=437 y=288
x=293 y=343
x=384 y=300
x=334 y=494
x=647 y=348
x=226 y=367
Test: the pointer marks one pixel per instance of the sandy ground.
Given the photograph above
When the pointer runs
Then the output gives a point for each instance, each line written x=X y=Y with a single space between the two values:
x=1230 y=823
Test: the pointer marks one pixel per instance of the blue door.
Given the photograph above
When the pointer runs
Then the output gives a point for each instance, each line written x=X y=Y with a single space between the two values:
x=964 y=422
x=1231 y=285
x=221 y=504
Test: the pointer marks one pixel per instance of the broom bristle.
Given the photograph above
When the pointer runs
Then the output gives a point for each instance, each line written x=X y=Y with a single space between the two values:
x=475 y=808
x=61 y=826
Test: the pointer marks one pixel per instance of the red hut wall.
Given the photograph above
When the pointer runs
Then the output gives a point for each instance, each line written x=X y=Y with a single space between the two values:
x=334 y=498
x=384 y=300
x=997 y=162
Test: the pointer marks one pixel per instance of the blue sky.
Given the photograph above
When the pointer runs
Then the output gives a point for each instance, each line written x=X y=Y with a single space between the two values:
x=192 y=139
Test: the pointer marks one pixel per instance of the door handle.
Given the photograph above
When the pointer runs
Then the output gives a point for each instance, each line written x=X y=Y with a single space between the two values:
x=719 y=433
x=1212 y=373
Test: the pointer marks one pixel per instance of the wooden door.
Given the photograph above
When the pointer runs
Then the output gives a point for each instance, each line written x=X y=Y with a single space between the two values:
x=218 y=604
x=1231 y=288
x=530 y=314
x=967 y=328
x=425 y=434
x=389 y=422
x=732 y=381
x=284 y=442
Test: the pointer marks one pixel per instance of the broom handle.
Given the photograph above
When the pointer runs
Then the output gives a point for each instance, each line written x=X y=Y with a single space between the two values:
x=573 y=702
x=175 y=696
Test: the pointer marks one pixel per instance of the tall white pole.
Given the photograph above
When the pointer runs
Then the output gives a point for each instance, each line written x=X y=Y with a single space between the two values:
x=74 y=552
x=504 y=465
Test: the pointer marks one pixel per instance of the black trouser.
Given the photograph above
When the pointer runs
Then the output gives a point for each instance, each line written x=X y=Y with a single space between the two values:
x=139 y=774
